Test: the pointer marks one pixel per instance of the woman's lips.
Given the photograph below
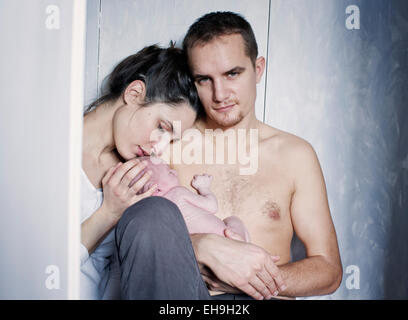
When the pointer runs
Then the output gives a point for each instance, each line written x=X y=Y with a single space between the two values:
x=139 y=152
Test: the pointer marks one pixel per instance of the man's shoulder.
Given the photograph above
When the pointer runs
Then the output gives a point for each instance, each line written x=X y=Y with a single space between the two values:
x=287 y=144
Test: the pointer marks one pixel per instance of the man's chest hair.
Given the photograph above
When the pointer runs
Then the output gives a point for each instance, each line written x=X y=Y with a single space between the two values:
x=245 y=196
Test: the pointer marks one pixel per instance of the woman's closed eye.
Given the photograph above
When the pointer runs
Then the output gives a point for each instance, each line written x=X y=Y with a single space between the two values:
x=163 y=126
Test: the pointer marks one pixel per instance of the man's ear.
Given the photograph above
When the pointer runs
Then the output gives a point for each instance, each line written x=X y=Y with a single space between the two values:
x=259 y=68
x=135 y=92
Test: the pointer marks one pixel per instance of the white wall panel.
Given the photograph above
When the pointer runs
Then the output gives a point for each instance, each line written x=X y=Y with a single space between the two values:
x=40 y=139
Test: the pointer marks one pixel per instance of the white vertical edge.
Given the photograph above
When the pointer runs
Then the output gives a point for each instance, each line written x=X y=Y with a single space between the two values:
x=75 y=144
x=266 y=63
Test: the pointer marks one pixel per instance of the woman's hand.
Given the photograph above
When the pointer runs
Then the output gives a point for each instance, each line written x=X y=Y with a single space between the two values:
x=119 y=189
x=119 y=192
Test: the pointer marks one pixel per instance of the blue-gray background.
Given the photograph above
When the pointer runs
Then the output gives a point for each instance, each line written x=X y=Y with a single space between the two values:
x=345 y=91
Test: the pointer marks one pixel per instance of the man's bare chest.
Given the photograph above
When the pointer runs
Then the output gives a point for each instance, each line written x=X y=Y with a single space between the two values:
x=262 y=199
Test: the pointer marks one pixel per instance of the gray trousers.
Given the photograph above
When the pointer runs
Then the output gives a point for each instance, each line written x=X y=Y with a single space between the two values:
x=155 y=253
x=156 y=257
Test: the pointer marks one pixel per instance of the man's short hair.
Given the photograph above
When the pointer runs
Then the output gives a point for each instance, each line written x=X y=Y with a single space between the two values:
x=216 y=24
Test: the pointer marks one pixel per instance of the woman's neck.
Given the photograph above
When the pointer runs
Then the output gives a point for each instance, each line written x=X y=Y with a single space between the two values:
x=97 y=139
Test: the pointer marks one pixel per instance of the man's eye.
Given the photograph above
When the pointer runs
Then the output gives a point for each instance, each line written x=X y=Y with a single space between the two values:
x=233 y=74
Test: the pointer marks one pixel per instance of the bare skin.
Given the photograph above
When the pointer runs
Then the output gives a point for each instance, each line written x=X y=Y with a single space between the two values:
x=114 y=135
x=197 y=206
x=287 y=194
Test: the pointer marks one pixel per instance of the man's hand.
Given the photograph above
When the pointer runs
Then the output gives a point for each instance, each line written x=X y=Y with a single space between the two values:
x=240 y=265
x=215 y=284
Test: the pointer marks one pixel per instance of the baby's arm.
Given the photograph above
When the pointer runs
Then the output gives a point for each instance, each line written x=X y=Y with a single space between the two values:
x=205 y=198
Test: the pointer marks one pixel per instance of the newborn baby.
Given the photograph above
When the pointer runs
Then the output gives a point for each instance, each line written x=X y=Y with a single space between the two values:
x=198 y=209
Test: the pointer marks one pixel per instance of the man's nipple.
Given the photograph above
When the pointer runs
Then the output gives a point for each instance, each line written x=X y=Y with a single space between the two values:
x=272 y=210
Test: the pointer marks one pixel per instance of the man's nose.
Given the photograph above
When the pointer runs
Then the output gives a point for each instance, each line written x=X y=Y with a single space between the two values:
x=220 y=91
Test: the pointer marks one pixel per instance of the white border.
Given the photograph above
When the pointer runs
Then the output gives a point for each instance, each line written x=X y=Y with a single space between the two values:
x=75 y=144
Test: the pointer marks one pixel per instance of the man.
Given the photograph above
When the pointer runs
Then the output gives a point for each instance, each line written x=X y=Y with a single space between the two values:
x=287 y=193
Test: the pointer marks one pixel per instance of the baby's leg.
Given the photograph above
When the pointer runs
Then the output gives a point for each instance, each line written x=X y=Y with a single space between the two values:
x=236 y=225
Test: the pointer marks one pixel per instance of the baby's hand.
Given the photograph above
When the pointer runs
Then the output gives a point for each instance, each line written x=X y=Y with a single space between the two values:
x=201 y=181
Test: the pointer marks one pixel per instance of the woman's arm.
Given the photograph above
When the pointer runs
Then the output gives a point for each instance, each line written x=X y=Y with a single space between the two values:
x=118 y=195
x=96 y=227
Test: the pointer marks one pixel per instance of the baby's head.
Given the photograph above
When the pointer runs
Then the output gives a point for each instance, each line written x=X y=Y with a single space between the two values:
x=162 y=175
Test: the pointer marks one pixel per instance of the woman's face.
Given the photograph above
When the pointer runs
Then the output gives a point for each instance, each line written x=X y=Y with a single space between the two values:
x=138 y=131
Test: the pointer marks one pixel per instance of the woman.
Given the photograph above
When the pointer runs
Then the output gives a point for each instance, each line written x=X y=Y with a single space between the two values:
x=146 y=93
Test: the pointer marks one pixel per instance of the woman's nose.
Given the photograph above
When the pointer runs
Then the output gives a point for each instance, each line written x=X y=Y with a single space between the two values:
x=161 y=145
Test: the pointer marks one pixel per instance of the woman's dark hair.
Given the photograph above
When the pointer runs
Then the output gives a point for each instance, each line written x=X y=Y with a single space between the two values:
x=220 y=23
x=163 y=70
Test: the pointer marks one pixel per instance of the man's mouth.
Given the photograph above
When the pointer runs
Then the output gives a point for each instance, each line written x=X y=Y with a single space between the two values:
x=225 y=108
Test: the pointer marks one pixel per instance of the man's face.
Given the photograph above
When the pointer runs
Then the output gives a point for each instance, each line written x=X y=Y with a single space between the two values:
x=225 y=78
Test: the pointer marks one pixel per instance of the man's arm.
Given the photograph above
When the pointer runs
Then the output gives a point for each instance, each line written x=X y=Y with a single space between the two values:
x=321 y=271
